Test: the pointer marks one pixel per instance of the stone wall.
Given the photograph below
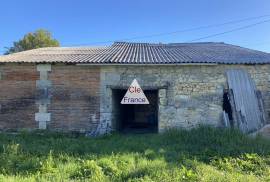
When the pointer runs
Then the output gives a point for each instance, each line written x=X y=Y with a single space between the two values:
x=188 y=95
x=79 y=98
x=261 y=76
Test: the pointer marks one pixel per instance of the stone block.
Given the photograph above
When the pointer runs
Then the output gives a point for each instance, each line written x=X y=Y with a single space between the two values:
x=163 y=101
x=42 y=125
x=43 y=101
x=162 y=93
x=112 y=78
x=150 y=78
x=40 y=84
x=43 y=108
x=43 y=75
x=263 y=132
x=44 y=67
x=43 y=117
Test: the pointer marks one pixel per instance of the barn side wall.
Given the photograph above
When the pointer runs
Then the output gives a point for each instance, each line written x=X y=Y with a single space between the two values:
x=17 y=96
x=79 y=98
x=75 y=99
x=55 y=97
x=188 y=95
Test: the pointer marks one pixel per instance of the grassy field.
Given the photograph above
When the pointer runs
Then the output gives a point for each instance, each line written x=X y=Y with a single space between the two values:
x=203 y=154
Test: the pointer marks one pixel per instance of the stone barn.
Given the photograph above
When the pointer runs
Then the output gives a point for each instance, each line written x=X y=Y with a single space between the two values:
x=187 y=84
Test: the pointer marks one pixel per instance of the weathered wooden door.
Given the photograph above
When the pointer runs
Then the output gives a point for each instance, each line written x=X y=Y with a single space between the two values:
x=248 y=115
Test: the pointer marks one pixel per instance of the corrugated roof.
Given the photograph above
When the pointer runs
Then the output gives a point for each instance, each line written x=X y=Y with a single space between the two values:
x=143 y=53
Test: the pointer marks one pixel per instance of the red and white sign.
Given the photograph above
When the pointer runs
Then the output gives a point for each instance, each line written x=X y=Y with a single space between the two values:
x=134 y=95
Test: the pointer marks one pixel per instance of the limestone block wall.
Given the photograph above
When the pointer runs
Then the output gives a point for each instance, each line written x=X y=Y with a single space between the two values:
x=261 y=76
x=189 y=95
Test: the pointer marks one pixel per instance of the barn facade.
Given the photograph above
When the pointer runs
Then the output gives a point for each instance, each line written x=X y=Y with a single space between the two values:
x=80 y=89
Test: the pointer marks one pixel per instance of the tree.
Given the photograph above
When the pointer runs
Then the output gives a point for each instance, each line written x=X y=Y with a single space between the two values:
x=38 y=39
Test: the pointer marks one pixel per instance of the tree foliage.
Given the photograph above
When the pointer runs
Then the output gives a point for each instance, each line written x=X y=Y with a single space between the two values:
x=37 y=39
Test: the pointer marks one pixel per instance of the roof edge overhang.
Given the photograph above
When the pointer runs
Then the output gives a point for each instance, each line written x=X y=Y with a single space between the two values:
x=151 y=64
x=135 y=64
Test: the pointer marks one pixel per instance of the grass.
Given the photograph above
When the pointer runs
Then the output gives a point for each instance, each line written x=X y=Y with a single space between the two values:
x=202 y=154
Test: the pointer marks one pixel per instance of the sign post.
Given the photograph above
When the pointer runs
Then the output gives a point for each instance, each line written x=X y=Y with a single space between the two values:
x=134 y=95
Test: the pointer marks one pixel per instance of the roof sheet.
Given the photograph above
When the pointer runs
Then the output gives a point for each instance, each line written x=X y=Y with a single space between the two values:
x=143 y=53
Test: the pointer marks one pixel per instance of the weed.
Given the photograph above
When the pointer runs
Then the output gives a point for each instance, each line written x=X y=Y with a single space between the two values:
x=201 y=154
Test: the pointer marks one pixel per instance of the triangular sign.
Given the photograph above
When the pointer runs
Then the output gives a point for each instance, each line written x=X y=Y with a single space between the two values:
x=134 y=95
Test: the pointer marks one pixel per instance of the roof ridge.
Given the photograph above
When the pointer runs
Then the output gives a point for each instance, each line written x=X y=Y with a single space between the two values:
x=160 y=43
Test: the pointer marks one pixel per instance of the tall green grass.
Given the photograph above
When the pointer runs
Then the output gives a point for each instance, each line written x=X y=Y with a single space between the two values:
x=202 y=154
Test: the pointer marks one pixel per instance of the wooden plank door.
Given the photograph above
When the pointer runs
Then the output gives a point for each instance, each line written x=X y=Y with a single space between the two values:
x=248 y=116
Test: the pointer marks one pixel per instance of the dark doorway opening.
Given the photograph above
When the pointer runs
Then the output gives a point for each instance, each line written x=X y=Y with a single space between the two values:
x=138 y=118
x=227 y=105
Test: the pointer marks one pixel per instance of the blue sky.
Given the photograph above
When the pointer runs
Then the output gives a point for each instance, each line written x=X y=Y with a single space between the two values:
x=86 y=22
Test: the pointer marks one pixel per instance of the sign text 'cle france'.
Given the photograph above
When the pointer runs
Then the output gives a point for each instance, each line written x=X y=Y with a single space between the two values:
x=134 y=95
